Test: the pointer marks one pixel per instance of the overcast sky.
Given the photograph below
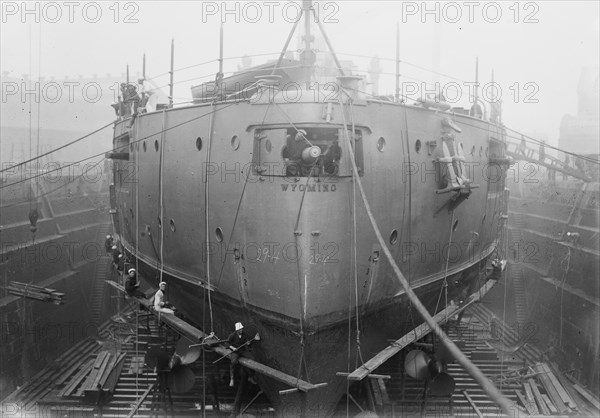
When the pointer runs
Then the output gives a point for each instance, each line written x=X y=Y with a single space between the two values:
x=535 y=48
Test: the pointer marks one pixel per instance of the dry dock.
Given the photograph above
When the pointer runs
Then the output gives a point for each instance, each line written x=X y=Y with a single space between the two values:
x=115 y=360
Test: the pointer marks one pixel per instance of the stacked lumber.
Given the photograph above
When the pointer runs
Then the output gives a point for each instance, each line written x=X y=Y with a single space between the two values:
x=100 y=372
x=31 y=291
x=547 y=393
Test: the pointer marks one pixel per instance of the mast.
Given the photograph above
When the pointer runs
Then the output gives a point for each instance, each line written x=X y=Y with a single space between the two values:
x=220 y=73
x=476 y=98
x=306 y=6
x=397 y=62
x=171 y=72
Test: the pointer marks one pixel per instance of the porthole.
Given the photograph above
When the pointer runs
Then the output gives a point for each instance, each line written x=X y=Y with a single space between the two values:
x=172 y=224
x=473 y=150
x=462 y=148
x=455 y=225
x=487 y=153
x=418 y=145
x=235 y=142
x=381 y=144
x=480 y=151
x=144 y=145
x=159 y=223
x=219 y=234
x=131 y=212
x=268 y=145
x=156 y=145
x=483 y=219
x=394 y=237
x=198 y=143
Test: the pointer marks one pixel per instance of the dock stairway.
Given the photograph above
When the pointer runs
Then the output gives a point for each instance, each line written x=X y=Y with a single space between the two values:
x=516 y=269
x=101 y=273
x=133 y=393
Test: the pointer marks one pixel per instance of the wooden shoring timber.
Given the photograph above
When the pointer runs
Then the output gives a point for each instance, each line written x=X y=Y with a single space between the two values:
x=564 y=395
x=97 y=368
x=72 y=385
x=41 y=294
x=526 y=403
x=530 y=398
x=551 y=390
x=417 y=333
x=194 y=334
x=113 y=376
x=549 y=404
x=140 y=401
x=109 y=370
x=538 y=397
x=472 y=403
x=587 y=396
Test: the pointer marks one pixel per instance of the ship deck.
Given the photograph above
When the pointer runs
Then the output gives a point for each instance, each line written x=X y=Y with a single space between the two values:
x=48 y=394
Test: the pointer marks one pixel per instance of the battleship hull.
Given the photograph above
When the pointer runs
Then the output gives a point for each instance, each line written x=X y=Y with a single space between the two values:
x=205 y=198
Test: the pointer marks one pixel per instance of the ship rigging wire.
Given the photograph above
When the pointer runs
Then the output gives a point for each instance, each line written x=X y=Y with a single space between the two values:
x=120 y=148
x=206 y=209
x=59 y=148
x=529 y=139
x=520 y=137
x=406 y=63
x=210 y=62
x=444 y=287
x=471 y=368
x=354 y=255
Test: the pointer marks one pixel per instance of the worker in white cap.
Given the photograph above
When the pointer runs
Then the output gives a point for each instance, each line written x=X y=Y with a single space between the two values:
x=108 y=243
x=239 y=343
x=132 y=284
x=115 y=254
x=160 y=305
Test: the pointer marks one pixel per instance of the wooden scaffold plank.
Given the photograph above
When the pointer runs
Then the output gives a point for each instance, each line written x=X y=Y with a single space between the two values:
x=416 y=334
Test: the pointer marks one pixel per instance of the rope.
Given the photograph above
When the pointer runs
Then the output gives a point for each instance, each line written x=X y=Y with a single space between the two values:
x=59 y=148
x=206 y=210
x=137 y=270
x=161 y=191
x=483 y=381
x=299 y=269
x=519 y=136
x=355 y=256
x=101 y=154
x=567 y=259
x=237 y=212
x=444 y=288
x=290 y=122
x=409 y=224
x=39 y=104
x=30 y=116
